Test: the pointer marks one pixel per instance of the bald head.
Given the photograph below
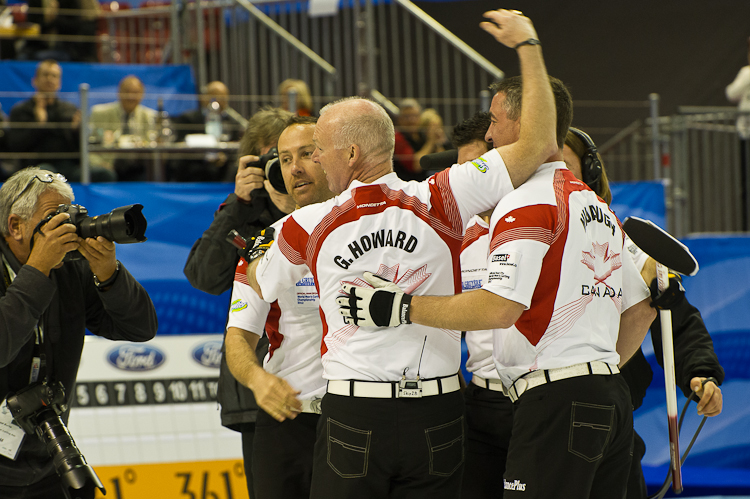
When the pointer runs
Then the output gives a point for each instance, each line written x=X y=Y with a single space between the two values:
x=216 y=91
x=354 y=140
x=364 y=123
x=130 y=93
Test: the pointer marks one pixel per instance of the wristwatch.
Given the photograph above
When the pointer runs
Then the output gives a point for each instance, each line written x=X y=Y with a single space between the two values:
x=101 y=285
x=530 y=41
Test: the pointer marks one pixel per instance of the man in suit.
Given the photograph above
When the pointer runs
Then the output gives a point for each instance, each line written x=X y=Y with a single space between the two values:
x=114 y=121
x=215 y=166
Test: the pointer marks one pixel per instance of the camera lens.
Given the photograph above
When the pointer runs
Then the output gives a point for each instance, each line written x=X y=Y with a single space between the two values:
x=122 y=225
x=273 y=174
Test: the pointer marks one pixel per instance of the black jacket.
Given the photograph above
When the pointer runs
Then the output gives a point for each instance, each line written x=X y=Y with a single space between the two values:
x=210 y=267
x=693 y=352
x=66 y=304
x=47 y=139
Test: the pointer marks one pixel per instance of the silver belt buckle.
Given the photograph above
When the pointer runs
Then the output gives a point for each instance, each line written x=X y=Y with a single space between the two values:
x=410 y=388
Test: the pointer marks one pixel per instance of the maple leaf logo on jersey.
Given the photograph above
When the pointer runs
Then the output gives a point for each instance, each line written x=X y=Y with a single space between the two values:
x=408 y=281
x=601 y=261
x=510 y=219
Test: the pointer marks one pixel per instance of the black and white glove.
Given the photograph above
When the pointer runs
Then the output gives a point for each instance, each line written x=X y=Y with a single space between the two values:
x=671 y=296
x=384 y=306
x=258 y=244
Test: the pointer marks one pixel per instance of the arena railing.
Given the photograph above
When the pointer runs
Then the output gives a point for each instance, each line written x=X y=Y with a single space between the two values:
x=697 y=152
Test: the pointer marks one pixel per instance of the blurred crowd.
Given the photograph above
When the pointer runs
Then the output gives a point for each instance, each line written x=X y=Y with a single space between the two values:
x=200 y=145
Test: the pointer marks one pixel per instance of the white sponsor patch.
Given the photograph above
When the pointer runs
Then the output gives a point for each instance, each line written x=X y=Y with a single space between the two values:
x=502 y=268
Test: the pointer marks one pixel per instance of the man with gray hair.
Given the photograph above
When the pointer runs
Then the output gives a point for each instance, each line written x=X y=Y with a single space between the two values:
x=392 y=421
x=47 y=301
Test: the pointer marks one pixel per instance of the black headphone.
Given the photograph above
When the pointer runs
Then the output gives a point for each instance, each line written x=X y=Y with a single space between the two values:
x=591 y=165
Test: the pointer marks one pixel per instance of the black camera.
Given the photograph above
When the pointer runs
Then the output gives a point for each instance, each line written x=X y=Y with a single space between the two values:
x=36 y=409
x=270 y=164
x=123 y=225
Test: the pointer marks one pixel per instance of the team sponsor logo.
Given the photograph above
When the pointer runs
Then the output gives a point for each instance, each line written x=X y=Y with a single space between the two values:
x=136 y=357
x=305 y=281
x=371 y=205
x=480 y=164
x=502 y=257
x=514 y=485
x=594 y=213
x=208 y=353
x=472 y=284
x=378 y=239
x=237 y=305
x=510 y=219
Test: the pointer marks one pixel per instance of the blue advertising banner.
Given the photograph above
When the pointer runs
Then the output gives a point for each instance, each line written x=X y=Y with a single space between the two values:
x=159 y=81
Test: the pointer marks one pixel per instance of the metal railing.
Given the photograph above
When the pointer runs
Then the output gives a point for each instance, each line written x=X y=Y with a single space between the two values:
x=699 y=155
x=391 y=48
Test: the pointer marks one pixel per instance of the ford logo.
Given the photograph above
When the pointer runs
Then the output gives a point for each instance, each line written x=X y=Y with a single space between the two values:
x=136 y=357
x=208 y=354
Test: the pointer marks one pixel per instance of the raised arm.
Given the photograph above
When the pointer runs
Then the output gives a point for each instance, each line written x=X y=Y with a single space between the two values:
x=537 y=140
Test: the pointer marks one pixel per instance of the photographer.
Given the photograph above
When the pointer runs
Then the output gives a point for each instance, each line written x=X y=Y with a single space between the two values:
x=212 y=261
x=47 y=303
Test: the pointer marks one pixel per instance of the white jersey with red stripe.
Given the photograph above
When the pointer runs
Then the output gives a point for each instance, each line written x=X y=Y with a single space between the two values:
x=408 y=232
x=558 y=249
x=474 y=251
x=292 y=324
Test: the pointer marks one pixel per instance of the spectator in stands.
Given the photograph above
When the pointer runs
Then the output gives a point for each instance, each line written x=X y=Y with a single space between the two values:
x=123 y=120
x=302 y=99
x=69 y=18
x=431 y=124
x=47 y=125
x=418 y=133
x=695 y=359
x=212 y=261
x=407 y=139
x=46 y=305
x=739 y=92
x=215 y=167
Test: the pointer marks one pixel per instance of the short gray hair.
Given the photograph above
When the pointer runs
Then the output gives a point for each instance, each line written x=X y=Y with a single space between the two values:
x=27 y=188
x=373 y=131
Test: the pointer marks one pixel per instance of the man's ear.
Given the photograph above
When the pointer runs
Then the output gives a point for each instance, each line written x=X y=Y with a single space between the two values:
x=15 y=227
x=354 y=154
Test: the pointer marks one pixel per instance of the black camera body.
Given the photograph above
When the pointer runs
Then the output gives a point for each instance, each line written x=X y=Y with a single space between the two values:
x=271 y=166
x=36 y=409
x=30 y=403
x=123 y=225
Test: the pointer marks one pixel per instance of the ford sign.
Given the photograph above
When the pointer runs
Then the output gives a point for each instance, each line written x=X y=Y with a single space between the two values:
x=136 y=357
x=208 y=354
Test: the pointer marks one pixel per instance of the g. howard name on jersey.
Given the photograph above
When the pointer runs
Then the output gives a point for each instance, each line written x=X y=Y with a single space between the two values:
x=378 y=239
x=596 y=214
